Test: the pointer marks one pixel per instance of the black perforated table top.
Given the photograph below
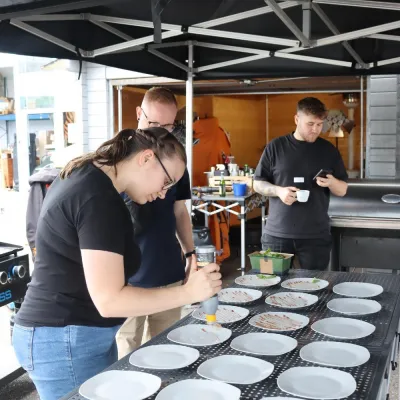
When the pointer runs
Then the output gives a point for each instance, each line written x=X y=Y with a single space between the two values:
x=368 y=376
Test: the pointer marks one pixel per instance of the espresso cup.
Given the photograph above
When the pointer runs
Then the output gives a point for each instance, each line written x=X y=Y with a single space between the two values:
x=302 y=195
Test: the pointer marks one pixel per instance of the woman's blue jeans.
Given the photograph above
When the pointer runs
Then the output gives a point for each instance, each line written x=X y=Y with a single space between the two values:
x=60 y=359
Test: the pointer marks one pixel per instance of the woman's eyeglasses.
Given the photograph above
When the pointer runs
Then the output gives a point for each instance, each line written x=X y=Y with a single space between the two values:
x=171 y=182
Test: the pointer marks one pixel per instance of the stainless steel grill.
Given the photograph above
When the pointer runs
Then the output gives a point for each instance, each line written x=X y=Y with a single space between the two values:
x=365 y=228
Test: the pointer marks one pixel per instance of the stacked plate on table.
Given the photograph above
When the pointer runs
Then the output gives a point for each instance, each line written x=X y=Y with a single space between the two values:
x=291 y=300
x=224 y=315
x=259 y=280
x=279 y=321
x=335 y=354
x=264 y=344
x=305 y=284
x=199 y=335
x=343 y=328
x=358 y=289
x=240 y=370
x=354 y=306
x=120 y=385
x=238 y=295
x=317 y=383
x=199 y=389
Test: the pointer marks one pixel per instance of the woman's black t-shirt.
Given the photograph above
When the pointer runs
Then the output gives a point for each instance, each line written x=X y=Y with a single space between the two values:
x=83 y=211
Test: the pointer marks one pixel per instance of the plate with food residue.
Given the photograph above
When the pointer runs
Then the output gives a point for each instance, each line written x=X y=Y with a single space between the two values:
x=238 y=295
x=225 y=314
x=291 y=300
x=279 y=321
x=199 y=335
x=306 y=284
x=258 y=280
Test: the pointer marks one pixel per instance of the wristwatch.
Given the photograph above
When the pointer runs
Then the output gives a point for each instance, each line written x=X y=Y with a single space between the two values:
x=190 y=254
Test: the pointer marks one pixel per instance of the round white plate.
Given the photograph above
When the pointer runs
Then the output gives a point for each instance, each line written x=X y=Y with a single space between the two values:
x=335 y=354
x=225 y=314
x=291 y=300
x=199 y=389
x=238 y=295
x=343 y=328
x=281 y=398
x=199 y=335
x=255 y=281
x=358 y=289
x=120 y=385
x=354 y=306
x=306 y=284
x=264 y=344
x=279 y=321
x=164 y=356
x=317 y=383
x=242 y=370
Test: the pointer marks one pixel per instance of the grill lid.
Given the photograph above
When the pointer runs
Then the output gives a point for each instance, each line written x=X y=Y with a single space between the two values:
x=366 y=199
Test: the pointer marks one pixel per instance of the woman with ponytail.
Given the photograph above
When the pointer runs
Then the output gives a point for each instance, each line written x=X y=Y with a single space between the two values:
x=78 y=298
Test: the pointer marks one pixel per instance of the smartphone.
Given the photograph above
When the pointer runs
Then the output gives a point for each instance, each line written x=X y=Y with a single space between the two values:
x=322 y=173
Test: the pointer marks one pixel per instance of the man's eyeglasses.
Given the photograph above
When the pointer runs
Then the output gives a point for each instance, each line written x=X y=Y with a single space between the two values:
x=171 y=182
x=152 y=124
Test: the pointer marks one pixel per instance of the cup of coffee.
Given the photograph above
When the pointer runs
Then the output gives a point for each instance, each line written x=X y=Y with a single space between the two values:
x=302 y=195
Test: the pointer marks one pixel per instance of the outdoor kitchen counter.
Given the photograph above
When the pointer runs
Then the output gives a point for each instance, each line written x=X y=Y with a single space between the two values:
x=372 y=377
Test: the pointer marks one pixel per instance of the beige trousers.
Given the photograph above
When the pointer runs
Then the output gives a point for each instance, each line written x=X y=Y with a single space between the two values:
x=138 y=330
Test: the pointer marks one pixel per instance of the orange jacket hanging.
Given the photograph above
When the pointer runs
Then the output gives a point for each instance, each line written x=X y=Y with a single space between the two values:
x=213 y=142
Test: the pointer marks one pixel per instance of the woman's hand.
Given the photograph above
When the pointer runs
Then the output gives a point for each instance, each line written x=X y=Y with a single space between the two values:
x=204 y=283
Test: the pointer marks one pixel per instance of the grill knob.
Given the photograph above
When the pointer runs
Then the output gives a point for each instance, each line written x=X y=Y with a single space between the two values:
x=19 y=271
x=3 y=278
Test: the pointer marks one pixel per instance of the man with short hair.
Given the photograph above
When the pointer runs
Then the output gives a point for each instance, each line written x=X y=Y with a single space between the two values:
x=158 y=226
x=290 y=163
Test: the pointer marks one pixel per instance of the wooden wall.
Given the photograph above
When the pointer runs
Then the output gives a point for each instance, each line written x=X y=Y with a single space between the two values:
x=282 y=108
x=245 y=118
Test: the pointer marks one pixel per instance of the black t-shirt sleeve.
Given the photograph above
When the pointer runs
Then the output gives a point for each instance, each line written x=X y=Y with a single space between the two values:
x=264 y=171
x=339 y=170
x=101 y=225
x=183 y=191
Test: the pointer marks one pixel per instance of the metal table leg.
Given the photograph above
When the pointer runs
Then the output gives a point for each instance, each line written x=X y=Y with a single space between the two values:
x=242 y=238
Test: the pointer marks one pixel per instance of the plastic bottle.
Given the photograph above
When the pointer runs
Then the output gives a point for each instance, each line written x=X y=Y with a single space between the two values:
x=206 y=255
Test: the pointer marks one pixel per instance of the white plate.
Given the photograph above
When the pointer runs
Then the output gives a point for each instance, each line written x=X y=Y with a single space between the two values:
x=242 y=370
x=279 y=321
x=199 y=389
x=225 y=314
x=291 y=300
x=281 y=398
x=358 y=289
x=120 y=385
x=354 y=306
x=264 y=344
x=335 y=354
x=199 y=335
x=255 y=281
x=317 y=383
x=343 y=328
x=238 y=296
x=305 y=284
x=164 y=356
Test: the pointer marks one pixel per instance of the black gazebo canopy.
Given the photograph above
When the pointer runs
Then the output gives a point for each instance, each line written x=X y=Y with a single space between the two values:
x=240 y=39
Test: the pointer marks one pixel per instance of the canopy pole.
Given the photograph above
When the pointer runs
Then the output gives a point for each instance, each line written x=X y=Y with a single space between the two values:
x=189 y=120
x=362 y=127
x=119 y=88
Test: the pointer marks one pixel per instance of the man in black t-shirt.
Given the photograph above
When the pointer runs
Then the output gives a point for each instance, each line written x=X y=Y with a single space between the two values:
x=163 y=231
x=298 y=222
